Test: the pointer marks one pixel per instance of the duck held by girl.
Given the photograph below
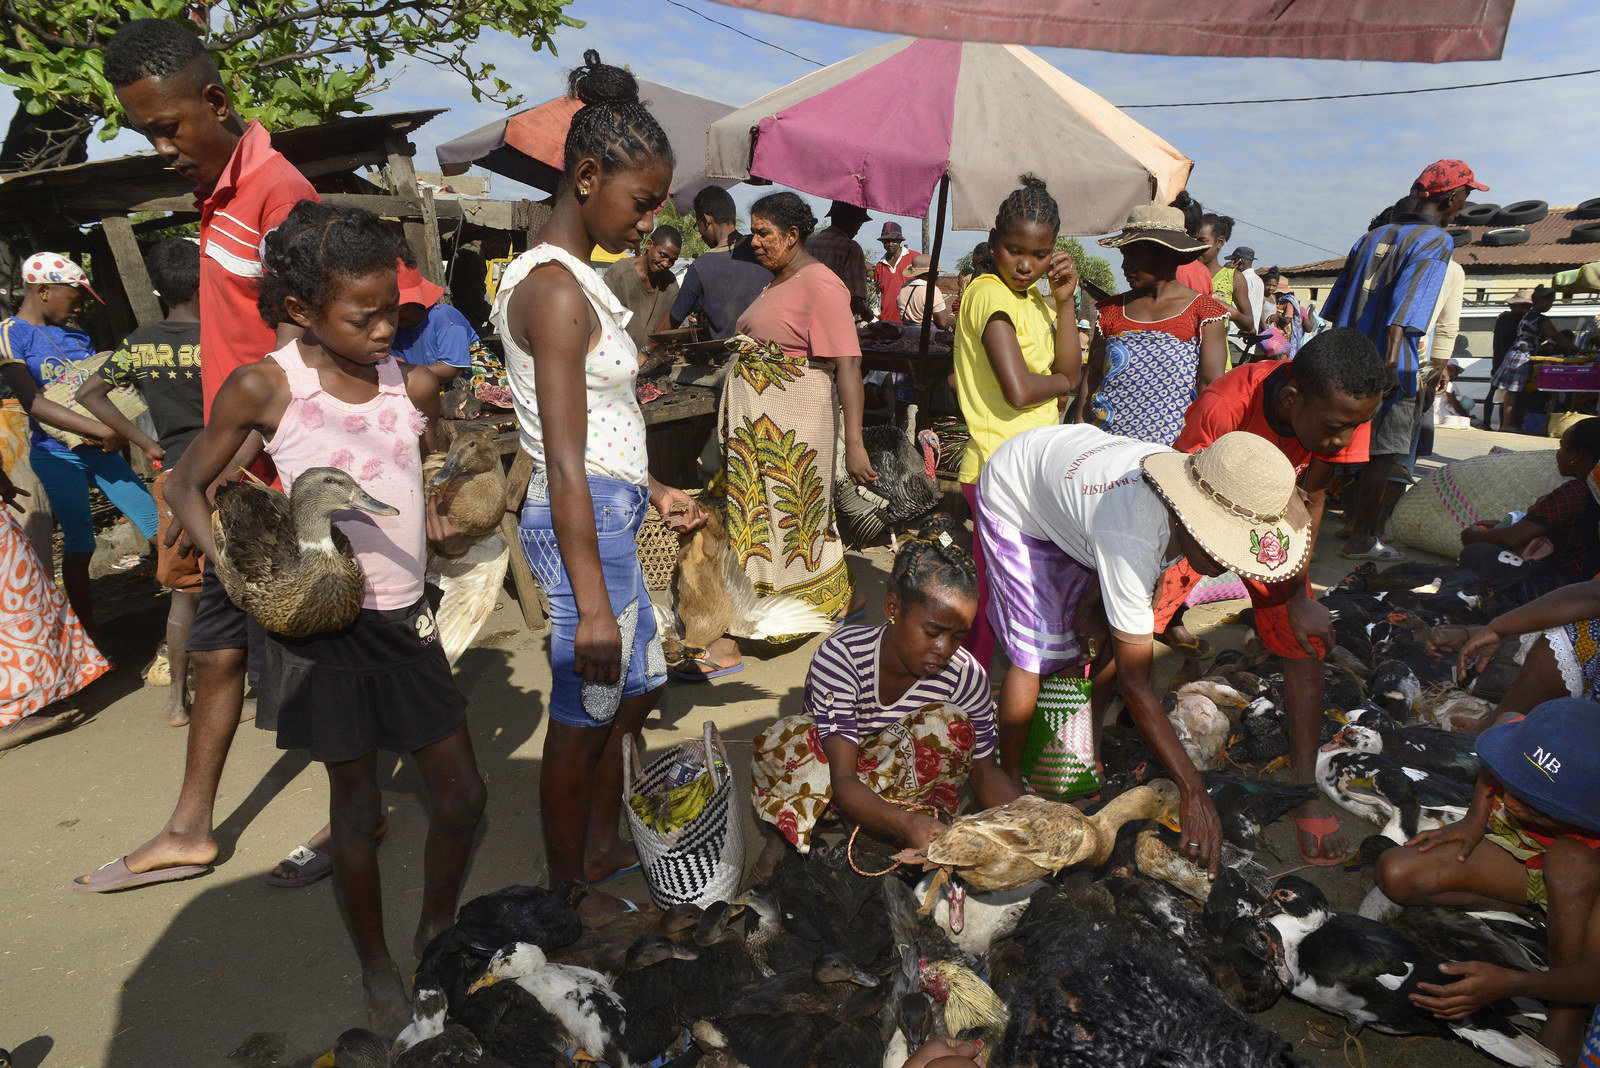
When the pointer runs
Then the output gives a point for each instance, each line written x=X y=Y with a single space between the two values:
x=572 y=366
x=338 y=397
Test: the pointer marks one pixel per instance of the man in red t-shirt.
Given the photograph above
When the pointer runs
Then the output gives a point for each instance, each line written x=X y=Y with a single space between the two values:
x=170 y=91
x=1317 y=410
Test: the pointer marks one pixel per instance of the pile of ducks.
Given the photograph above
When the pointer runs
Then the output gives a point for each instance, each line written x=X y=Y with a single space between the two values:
x=1055 y=935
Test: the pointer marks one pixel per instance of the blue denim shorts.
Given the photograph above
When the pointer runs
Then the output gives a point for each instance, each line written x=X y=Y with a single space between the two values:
x=619 y=512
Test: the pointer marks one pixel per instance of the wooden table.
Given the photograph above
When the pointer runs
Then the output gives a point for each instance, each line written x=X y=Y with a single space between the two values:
x=924 y=372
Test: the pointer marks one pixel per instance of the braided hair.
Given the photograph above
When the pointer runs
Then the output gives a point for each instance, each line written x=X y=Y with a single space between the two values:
x=318 y=246
x=612 y=126
x=931 y=560
x=1221 y=225
x=1032 y=203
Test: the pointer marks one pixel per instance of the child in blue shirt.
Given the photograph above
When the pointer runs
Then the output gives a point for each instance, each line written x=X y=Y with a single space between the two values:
x=430 y=333
x=38 y=337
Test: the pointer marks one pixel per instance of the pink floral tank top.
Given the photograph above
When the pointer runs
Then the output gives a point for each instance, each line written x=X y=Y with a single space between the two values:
x=377 y=444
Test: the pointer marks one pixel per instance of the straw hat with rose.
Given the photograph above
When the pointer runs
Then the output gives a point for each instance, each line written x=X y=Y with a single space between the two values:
x=1237 y=498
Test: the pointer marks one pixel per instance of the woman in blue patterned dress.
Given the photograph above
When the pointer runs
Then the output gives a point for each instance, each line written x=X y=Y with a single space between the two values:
x=1158 y=344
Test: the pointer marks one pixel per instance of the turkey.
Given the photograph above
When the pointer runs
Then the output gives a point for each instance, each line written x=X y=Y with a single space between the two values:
x=905 y=491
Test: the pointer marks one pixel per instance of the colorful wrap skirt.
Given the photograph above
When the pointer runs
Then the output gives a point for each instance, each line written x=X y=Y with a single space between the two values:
x=923 y=759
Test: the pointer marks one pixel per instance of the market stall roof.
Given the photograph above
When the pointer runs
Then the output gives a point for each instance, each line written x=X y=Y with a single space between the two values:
x=881 y=128
x=1438 y=31
x=67 y=197
x=1550 y=245
x=527 y=147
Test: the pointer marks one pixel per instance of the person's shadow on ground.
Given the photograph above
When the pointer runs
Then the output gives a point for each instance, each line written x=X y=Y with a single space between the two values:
x=254 y=975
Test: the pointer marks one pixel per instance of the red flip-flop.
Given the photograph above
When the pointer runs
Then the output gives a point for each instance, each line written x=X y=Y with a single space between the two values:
x=116 y=876
x=1319 y=827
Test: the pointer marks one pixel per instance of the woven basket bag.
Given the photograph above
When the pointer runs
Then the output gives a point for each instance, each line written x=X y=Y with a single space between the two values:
x=1434 y=512
x=702 y=861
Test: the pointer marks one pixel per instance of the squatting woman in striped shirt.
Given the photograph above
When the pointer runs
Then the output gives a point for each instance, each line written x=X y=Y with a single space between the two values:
x=894 y=715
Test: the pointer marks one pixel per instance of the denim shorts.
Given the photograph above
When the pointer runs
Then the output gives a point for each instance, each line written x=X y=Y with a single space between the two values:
x=619 y=512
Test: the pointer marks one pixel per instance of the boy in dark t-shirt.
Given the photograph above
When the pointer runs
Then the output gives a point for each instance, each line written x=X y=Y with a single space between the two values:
x=162 y=362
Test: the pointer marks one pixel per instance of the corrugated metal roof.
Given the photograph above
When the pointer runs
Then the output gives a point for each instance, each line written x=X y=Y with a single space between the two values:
x=1549 y=245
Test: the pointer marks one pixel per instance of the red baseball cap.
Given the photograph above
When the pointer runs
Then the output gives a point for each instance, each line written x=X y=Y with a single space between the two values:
x=415 y=289
x=1446 y=175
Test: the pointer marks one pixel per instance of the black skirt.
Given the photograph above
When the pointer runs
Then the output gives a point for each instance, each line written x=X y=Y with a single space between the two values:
x=381 y=683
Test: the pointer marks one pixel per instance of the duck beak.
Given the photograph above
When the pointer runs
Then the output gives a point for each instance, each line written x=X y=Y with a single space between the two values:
x=861 y=977
x=684 y=952
x=368 y=503
x=1170 y=822
x=325 y=1061
x=486 y=979
x=451 y=468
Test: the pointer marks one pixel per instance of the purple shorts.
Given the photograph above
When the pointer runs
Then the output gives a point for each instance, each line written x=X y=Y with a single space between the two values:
x=1034 y=591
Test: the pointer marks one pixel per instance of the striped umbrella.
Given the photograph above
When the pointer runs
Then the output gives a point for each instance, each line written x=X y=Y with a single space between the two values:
x=882 y=129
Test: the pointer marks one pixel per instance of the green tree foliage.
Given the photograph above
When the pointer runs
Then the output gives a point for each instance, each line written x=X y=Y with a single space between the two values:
x=693 y=243
x=285 y=62
x=1091 y=268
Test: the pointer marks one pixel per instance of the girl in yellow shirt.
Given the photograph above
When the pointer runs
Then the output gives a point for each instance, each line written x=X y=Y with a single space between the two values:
x=1015 y=359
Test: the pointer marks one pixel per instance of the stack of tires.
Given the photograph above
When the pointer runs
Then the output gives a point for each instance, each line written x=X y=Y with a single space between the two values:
x=1507 y=225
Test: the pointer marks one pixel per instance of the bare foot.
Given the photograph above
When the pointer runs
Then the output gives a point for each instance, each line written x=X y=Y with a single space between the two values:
x=177 y=844
x=177 y=710
x=766 y=865
x=858 y=601
x=319 y=842
x=602 y=865
x=388 y=1007
x=38 y=725
x=427 y=927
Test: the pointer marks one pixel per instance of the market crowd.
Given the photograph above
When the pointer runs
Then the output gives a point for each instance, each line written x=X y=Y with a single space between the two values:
x=1120 y=451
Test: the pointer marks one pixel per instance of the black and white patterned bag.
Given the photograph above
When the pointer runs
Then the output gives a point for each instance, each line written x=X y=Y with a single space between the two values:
x=702 y=861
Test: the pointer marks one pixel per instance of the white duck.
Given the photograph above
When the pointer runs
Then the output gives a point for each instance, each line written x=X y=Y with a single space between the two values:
x=581 y=1000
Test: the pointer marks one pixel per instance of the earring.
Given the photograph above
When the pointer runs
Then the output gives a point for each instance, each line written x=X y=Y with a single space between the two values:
x=583 y=194
x=891 y=621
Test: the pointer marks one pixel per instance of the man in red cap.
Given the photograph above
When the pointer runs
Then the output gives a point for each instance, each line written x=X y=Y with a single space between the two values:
x=432 y=334
x=1388 y=288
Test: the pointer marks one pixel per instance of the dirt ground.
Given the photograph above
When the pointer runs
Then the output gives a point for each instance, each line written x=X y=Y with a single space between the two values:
x=225 y=970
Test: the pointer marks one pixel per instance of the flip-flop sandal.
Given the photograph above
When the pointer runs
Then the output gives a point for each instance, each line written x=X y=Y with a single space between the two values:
x=116 y=876
x=678 y=672
x=127 y=561
x=309 y=863
x=854 y=617
x=1200 y=649
x=1319 y=827
x=622 y=873
x=1379 y=551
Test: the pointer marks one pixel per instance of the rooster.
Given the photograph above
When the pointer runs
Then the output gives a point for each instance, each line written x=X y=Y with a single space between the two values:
x=905 y=491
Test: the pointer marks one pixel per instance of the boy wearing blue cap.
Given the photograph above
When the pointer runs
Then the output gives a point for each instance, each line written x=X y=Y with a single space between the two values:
x=1530 y=838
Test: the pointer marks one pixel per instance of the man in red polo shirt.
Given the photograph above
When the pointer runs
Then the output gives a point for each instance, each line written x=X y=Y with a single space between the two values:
x=889 y=272
x=1316 y=410
x=170 y=90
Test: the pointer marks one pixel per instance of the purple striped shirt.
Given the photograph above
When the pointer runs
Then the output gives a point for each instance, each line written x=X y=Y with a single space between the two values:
x=842 y=690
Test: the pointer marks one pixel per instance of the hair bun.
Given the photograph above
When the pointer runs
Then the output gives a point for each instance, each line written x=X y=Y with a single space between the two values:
x=1031 y=181
x=596 y=84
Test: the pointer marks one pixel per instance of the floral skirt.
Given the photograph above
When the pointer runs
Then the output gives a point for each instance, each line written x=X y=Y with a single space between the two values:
x=44 y=653
x=1577 y=651
x=1526 y=844
x=780 y=428
x=923 y=759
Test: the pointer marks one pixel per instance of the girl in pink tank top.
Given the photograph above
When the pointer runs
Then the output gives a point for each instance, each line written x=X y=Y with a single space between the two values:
x=337 y=398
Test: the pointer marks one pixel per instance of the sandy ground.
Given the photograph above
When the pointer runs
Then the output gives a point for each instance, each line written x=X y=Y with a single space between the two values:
x=225 y=970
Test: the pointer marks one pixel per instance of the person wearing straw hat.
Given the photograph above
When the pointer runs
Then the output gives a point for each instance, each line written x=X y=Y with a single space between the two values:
x=913 y=299
x=1078 y=527
x=1530 y=838
x=1160 y=342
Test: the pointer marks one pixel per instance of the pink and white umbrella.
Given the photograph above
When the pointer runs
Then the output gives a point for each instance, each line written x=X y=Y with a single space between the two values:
x=882 y=128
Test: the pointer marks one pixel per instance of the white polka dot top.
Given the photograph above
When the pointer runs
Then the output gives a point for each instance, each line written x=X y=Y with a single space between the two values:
x=616 y=425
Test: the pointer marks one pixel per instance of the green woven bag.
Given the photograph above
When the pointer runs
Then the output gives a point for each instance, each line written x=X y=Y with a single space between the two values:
x=1058 y=761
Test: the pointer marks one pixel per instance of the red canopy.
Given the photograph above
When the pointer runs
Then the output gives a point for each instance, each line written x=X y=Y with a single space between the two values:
x=1434 y=31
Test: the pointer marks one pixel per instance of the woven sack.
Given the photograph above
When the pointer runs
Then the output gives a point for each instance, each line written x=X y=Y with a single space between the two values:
x=1561 y=422
x=1443 y=503
x=1058 y=760
x=658 y=550
x=702 y=861
x=64 y=388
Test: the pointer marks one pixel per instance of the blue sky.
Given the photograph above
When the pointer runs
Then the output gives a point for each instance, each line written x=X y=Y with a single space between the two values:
x=1313 y=171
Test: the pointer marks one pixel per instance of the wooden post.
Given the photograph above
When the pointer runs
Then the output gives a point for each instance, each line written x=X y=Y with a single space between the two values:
x=423 y=235
x=136 y=282
x=921 y=383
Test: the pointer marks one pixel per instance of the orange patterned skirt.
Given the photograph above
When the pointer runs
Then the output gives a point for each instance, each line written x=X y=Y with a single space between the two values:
x=44 y=653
